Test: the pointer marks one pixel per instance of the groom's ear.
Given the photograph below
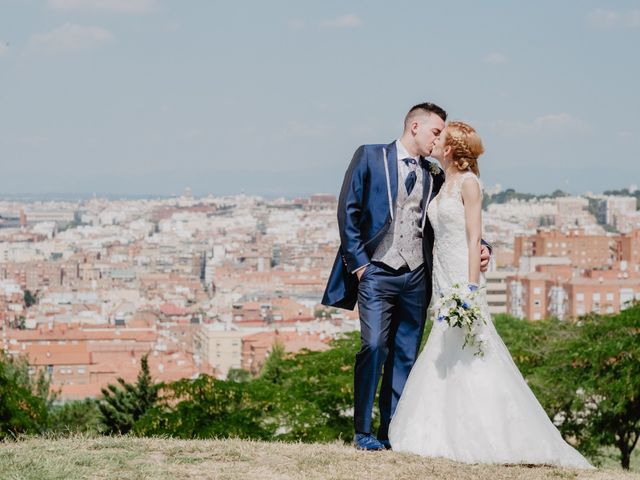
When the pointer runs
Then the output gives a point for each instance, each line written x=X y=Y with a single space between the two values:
x=413 y=127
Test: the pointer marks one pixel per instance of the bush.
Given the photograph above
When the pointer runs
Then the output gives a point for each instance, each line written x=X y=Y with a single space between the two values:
x=23 y=400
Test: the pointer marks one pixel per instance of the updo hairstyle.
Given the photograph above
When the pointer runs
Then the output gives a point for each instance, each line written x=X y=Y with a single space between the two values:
x=465 y=144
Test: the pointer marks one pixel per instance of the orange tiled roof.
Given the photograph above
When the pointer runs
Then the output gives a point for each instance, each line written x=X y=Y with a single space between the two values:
x=171 y=309
x=68 y=354
x=62 y=332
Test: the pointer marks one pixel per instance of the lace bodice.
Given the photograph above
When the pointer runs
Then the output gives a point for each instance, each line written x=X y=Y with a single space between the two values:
x=450 y=251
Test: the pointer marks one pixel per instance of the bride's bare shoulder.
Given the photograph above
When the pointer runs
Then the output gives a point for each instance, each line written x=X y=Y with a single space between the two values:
x=470 y=188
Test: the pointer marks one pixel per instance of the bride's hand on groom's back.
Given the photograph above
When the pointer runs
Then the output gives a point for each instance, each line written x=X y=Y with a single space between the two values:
x=485 y=257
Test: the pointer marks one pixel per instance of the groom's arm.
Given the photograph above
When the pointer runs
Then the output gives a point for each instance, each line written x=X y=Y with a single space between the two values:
x=350 y=212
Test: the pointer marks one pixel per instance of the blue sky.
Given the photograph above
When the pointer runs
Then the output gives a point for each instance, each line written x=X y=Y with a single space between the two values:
x=153 y=96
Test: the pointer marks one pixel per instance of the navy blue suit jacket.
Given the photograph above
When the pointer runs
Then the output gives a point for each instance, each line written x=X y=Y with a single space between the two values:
x=365 y=212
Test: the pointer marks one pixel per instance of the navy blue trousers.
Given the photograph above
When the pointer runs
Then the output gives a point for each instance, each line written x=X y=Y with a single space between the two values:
x=393 y=308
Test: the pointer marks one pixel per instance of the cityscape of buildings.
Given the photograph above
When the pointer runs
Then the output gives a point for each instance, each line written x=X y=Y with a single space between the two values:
x=208 y=285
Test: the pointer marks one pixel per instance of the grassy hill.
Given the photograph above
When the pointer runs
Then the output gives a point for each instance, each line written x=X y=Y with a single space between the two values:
x=161 y=458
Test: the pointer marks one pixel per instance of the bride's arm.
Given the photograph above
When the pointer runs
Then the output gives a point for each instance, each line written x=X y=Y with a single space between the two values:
x=472 y=199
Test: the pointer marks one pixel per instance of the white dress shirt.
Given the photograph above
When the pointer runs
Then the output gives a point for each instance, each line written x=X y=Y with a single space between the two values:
x=403 y=168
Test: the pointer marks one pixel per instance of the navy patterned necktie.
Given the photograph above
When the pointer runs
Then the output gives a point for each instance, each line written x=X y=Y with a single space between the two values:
x=410 y=181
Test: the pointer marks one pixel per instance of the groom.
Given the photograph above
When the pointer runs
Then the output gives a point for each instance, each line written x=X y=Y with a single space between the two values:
x=384 y=262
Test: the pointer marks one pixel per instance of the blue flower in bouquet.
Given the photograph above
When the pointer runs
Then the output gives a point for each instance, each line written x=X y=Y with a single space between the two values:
x=459 y=308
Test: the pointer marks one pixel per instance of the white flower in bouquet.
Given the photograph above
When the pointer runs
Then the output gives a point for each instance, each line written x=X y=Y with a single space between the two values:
x=459 y=308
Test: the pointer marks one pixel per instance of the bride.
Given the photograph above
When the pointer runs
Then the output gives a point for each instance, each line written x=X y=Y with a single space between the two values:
x=465 y=407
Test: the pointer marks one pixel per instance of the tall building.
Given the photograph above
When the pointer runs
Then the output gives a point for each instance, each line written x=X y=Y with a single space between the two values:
x=527 y=296
x=219 y=347
x=608 y=207
x=584 y=251
x=555 y=292
x=23 y=219
x=629 y=247
x=585 y=295
x=497 y=291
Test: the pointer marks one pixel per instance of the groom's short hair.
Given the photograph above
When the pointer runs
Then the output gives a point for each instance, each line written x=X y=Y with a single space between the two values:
x=422 y=108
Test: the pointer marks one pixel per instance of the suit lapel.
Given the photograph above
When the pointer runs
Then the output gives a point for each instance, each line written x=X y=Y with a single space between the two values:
x=426 y=178
x=427 y=188
x=392 y=163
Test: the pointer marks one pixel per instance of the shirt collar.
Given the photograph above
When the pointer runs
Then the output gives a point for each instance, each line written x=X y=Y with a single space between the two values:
x=402 y=152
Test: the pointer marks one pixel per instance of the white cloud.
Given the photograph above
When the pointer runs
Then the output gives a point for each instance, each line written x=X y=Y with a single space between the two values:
x=350 y=20
x=605 y=19
x=495 y=58
x=550 y=123
x=626 y=135
x=118 y=6
x=70 y=37
x=562 y=121
x=296 y=24
x=4 y=47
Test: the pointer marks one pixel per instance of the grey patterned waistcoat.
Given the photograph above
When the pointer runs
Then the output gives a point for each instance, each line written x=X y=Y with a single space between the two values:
x=402 y=244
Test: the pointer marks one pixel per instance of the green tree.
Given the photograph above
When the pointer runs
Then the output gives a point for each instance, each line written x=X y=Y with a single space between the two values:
x=314 y=392
x=23 y=400
x=586 y=375
x=305 y=397
x=238 y=375
x=559 y=193
x=598 y=368
x=122 y=405
x=530 y=343
x=272 y=370
x=210 y=408
x=20 y=322
x=75 y=417
x=29 y=298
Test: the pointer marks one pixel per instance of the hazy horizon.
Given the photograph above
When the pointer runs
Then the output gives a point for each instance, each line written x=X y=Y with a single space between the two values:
x=81 y=196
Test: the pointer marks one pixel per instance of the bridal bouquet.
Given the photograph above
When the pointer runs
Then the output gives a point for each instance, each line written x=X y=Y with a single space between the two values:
x=459 y=308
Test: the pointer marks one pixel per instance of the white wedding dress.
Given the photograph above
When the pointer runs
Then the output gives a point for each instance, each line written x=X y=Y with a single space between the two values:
x=463 y=407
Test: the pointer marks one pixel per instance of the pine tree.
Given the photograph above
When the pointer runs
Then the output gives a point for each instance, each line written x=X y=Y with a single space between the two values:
x=272 y=368
x=125 y=403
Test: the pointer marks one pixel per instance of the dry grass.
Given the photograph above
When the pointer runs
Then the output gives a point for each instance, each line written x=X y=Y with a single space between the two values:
x=160 y=458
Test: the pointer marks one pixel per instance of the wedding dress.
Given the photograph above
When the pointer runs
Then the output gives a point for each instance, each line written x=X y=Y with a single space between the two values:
x=463 y=407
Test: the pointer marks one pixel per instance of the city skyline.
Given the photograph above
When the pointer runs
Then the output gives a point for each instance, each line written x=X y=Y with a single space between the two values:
x=149 y=97
x=208 y=284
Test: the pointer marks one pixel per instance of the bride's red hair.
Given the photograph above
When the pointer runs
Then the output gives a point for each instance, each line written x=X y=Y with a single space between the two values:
x=466 y=145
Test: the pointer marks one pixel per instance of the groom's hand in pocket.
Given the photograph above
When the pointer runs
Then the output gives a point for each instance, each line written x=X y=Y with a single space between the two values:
x=359 y=272
x=485 y=257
